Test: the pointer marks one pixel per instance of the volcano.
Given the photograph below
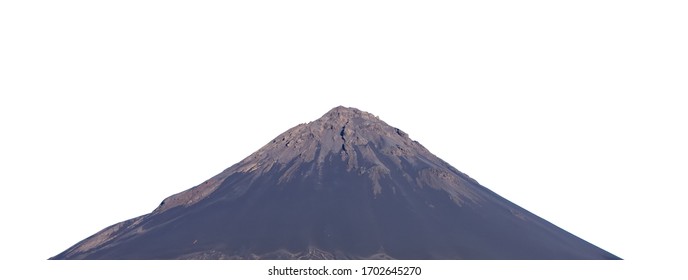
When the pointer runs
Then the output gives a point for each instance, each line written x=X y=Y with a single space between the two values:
x=345 y=186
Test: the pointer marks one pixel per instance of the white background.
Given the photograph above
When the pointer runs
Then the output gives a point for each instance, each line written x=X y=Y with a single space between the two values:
x=575 y=111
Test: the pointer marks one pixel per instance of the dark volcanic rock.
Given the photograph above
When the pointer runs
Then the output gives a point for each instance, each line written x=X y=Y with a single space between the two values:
x=346 y=186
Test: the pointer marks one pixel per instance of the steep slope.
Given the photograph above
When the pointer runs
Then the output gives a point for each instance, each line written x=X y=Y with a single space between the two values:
x=346 y=186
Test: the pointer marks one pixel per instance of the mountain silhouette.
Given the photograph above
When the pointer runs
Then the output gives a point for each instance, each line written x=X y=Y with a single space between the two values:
x=345 y=186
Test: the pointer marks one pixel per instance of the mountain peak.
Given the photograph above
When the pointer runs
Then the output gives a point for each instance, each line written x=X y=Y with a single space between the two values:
x=341 y=112
x=349 y=133
x=340 y=116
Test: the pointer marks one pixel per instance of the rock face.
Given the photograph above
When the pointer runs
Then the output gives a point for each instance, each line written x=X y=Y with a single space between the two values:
x=346 y=186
